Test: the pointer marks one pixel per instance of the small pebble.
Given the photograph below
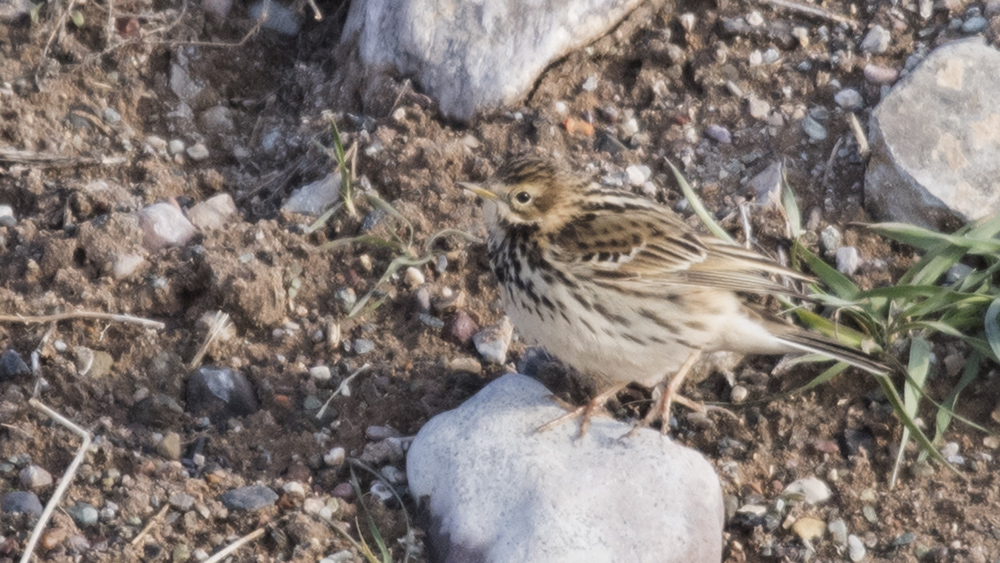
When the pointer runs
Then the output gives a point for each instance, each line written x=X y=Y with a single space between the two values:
x=413 y=277
x=346 y=297
x=813 y=129
x=423 y=299
x=848 y=260
x=320 y=373
x=441 y=263
x=590 y=84
x=249 y=498
x=181 y=501
x=21 y=502
x=376 y=433
x=758 y=108
x=335 y=457
x=294 y=489
x=838 y=530
x=880 y=75
x=738 y=394
x=855 y=548
x=869 y=513
x=638 y=174
x=809 y=528
x=363 y=346
x=170 y=446
x=462 y=327
x=83 y=514
x=849 y=99
x=7 y=218
x=829 y=241
x=12 y=365
x=492 y=342
x=34 y=477
x=111 y=116
x=175 y=146
x=719 y=134
x=465 y=365
x=974 y=24
x=812 y=489
x=876 y=41
x=754 y=19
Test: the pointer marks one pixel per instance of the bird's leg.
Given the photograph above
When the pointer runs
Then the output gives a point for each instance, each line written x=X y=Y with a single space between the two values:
x=661 y=409
x=584 y=412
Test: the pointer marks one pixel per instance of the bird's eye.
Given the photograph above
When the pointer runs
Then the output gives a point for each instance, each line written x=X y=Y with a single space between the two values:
x=522 y=197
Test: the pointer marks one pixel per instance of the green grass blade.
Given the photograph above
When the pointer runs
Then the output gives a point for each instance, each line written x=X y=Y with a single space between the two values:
x=928 y=240
x=697 y=206
x=947 y=410
x=992 y=326
x=841 y=285
x=792 y=212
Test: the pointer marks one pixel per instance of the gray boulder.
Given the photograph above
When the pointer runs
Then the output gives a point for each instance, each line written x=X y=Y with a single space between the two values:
x=496 y=491
x=476 y=54
x=936 y=140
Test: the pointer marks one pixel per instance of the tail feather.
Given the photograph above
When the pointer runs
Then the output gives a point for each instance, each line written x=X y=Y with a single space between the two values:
x=816 y=344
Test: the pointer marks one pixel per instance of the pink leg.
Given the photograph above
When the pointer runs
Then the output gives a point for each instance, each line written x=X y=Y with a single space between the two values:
x=585 y=412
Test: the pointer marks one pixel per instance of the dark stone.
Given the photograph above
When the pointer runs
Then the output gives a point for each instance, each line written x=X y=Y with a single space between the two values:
x=253 y=497
x=220 y=393
x=12 y=366
x=21 y=502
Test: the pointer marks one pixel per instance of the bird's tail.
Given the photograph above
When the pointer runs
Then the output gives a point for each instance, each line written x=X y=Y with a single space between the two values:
x=813 y=343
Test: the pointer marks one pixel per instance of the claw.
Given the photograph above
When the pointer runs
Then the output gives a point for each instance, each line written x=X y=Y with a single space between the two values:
x=585 y=413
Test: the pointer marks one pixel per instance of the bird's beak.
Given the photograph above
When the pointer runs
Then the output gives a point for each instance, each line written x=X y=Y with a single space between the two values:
x=477 y=189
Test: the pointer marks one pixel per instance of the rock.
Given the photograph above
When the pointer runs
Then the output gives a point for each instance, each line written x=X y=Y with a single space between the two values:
x=249 y=498
x=829 y=240
x=217 y=120
x=849 y=99
x=13 y=10
x=34 y=477
x=838 y=531
x=492 y=342
x=164 y=225
x=719 y=133
x=83 y=514
x=876 y=41
x=936 y=140
x=855 y=549
x=170 y=446
x=335 y=457
x=548 y=496
x=21 y=502
x=880 y=75
x=813 y=129
x=213 y=213
x=220 y=393
x=181 y=501
x=847 y=260
x=197 y=152
x=462 y=328
x=109 y=115
x=175 y=146
x=975 y=24
x=474 y=56
x=157 y=411
x=758 y=108
x=766 y=186
x=809 y=529
x=363 y=346
x=414 y=277
x=638 y=174
x=7 y=218
x=12 y=366
x=315 y=198
x=813 y=490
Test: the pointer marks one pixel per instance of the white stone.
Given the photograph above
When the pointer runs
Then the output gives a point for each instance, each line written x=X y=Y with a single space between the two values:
x=812 y=489
x=476 y=54
x=164 y=225
x=125 y=265
x=213 y=213
x=175 y=146
x=849 y=99
x=492 y=342
x=936 y=139
x=335 y=457
x=876 y=40
x=638 y=174
x=414 y=277
x=848 y=260
x=500 y=492
x=197 y=151
x=320 y=373
x=855 y=548
x=315 y=198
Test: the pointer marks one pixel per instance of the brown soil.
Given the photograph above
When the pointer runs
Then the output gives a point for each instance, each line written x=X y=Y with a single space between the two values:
x=281 y=288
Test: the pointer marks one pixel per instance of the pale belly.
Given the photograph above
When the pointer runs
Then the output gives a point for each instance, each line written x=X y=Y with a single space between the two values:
x=639 y=351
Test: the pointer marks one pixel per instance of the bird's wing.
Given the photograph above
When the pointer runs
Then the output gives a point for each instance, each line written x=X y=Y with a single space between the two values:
x=653 y=249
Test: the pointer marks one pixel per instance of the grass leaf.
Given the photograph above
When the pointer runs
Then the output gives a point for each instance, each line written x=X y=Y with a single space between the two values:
x=992 y=326
x=841 y=285
x=697 y=206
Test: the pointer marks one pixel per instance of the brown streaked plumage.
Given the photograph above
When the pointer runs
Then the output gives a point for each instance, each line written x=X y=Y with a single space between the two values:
x=622 y=289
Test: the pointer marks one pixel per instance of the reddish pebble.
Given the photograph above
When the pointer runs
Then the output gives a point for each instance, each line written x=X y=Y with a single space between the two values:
x=53 y=538
x=344 y=491
x=880 y=74
x=462 y=327
x=578 y=127
x=826 y=446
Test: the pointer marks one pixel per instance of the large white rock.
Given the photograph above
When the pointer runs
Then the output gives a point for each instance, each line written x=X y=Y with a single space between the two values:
x=499 y=492
x=476 y=54
x=936 y=139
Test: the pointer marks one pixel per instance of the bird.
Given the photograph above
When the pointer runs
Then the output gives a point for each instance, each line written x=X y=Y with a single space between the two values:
x=624 y=291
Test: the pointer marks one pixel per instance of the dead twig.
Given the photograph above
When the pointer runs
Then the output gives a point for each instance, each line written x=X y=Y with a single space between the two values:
x=220 y=322
x=67 y=477
x=342 y=389
x=815 y=11
x=235 y=545
x=149 y=525
x=859 y=134
x=148 y=323
x=13 y=156
x=828 y=173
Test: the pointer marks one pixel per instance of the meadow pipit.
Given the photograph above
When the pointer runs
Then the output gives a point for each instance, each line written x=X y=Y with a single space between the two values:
x=623 y=290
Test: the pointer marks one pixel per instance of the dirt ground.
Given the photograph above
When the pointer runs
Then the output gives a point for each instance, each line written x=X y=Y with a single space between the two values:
x=675 y=75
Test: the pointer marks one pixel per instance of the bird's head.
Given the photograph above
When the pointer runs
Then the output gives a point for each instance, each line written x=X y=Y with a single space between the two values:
x=531 y=191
